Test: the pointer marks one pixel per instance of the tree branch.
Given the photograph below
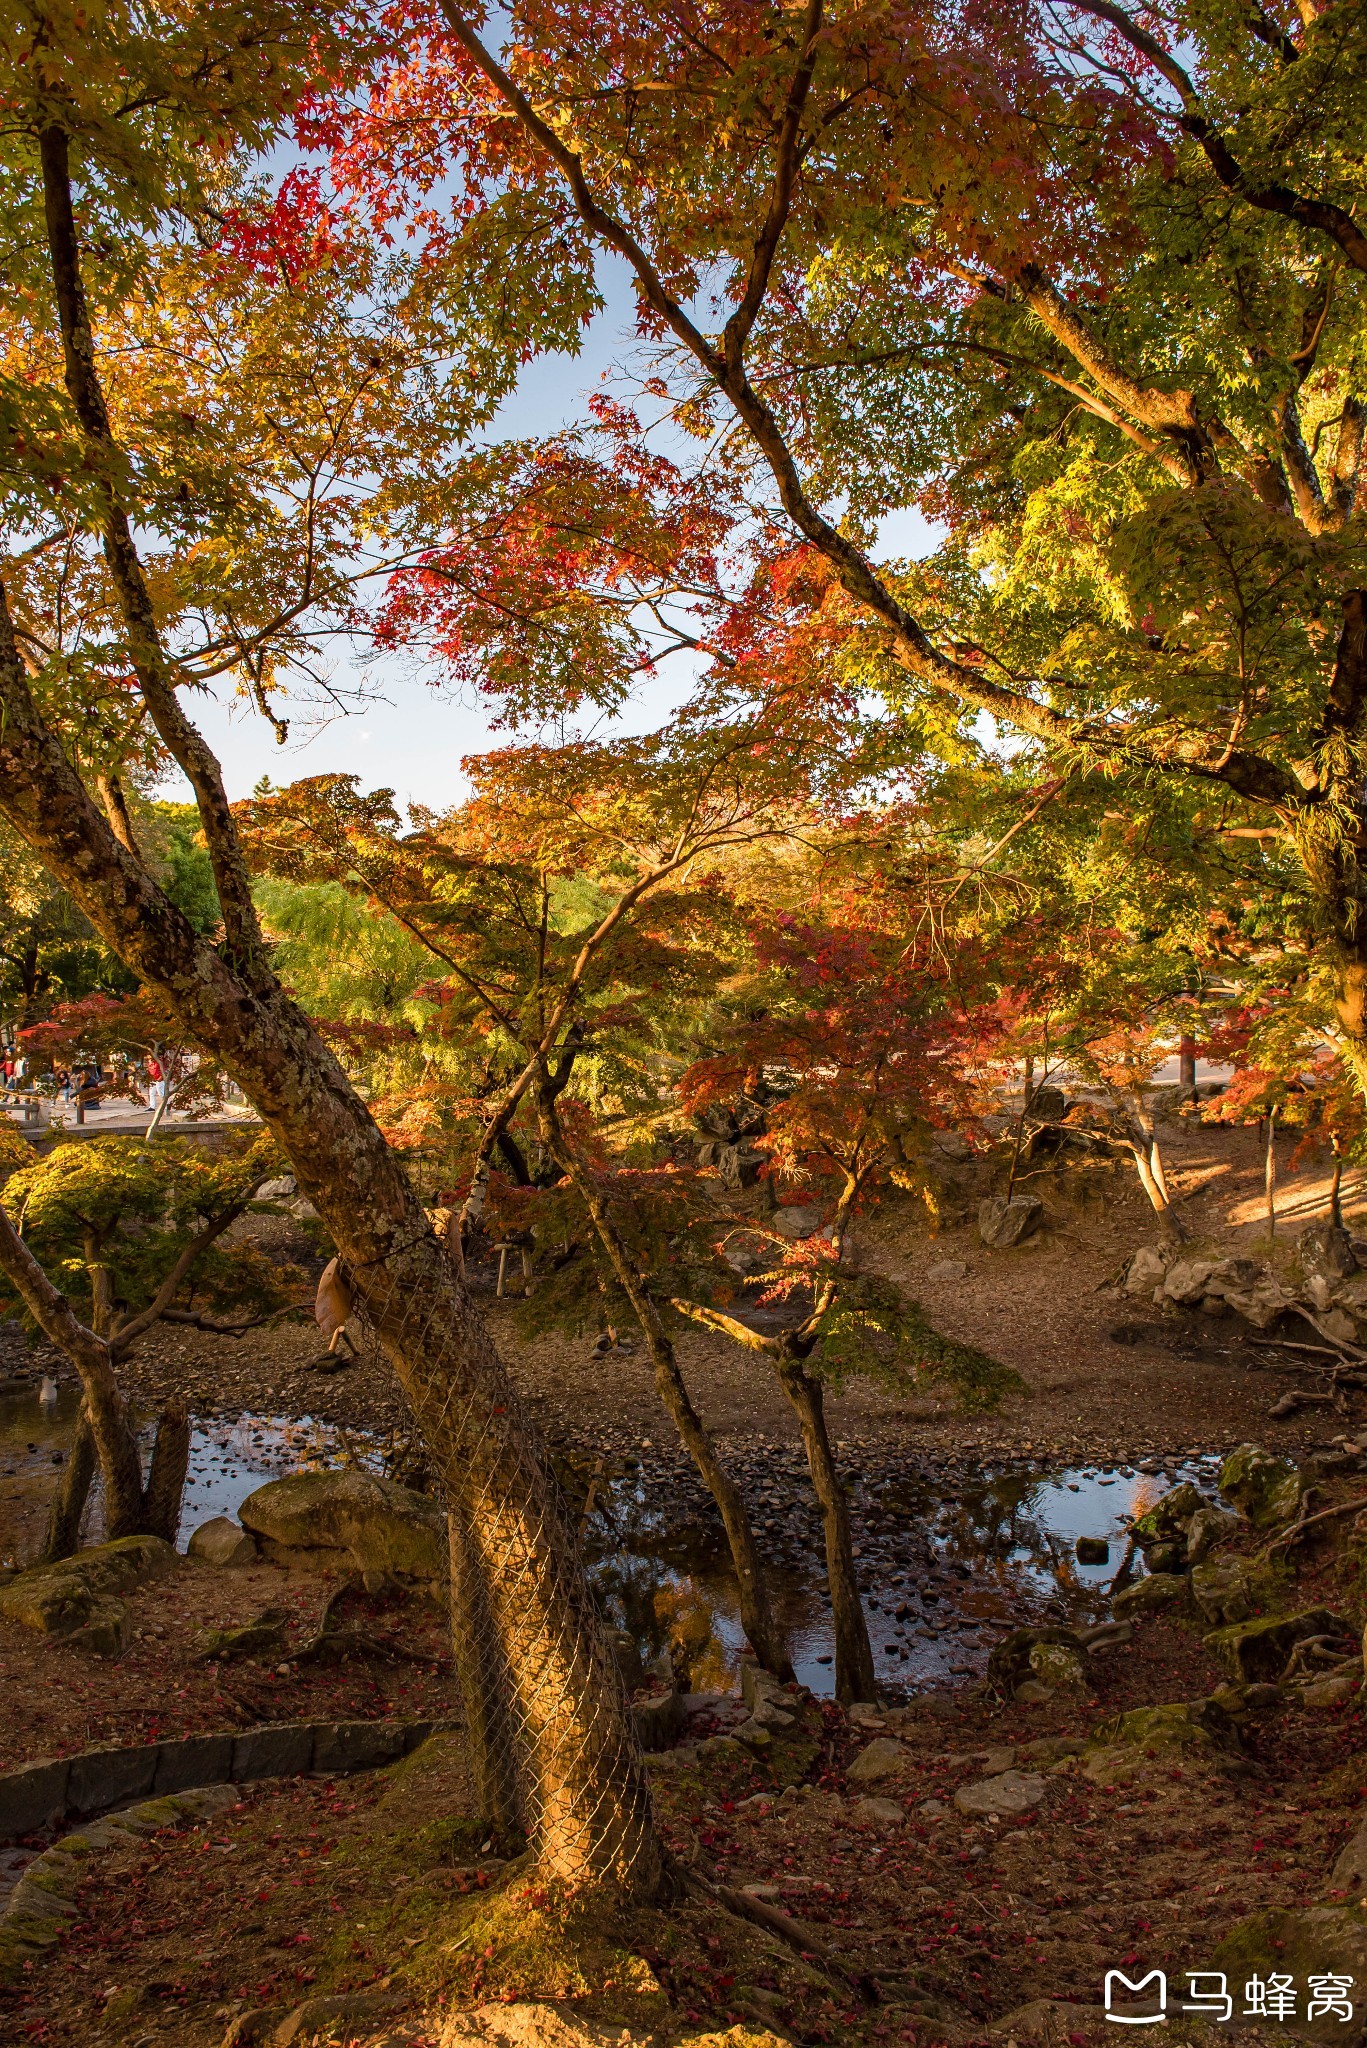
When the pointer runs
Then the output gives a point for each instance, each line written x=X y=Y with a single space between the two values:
x=1320 y=214
x=186 y=745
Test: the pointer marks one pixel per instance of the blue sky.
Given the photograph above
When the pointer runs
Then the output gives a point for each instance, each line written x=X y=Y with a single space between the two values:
x=411 y=734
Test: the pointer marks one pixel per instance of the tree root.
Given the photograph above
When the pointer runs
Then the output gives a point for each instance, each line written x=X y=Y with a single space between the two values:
x=1298 y=1529
x=807 y=1943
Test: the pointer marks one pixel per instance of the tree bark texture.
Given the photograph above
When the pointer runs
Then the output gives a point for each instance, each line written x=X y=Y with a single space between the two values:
x=67 y=1512
x=585 y=1777
x=854 y=1676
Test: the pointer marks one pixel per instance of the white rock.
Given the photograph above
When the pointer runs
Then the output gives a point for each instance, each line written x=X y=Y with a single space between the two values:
x=1146 y=1271
x=1013 y=1792
x=1186 y=1280
x=222 y=1541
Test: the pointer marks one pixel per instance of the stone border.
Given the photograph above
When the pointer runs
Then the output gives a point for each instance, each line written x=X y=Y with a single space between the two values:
x=36 y=1912
x=193 y=1779
x=40 y=1796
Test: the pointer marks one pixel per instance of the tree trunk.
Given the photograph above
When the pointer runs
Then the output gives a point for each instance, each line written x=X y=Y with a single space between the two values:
x=67 y=1512
x=1336 y=1187
x=486 y=1689
x=1270 y=1175
x=110 y=1422
x=166 y=1475
x=587 y=1801
x=1186 y=1067
x=854 y=1679
x=756 y=1609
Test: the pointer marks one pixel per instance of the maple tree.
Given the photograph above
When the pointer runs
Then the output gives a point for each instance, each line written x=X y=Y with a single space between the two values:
x=860 y=1045
x=572 y=907
x=191 y=493
x=99 y=1243
x=1082 y=283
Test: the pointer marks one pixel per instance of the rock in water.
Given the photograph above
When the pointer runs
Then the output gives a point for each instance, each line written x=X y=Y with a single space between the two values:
x=1167 y=1520
x=1092 y=1550
x=324 y=1521
x=221 y=1541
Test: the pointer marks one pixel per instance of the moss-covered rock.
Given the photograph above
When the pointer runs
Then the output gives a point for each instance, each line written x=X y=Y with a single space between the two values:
x=351 y=1520
x=1265 y=1490
x=1059 y=1666
x=1178 y=1724
x=1235 y=1589
x=1148 y=1596
x=1319 y=1941
x=1256 y=1651
x=76 y=1600
x=1167 y=1519
x=1010 y=1662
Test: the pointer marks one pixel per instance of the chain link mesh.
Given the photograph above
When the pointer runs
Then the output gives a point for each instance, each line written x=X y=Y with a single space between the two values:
x=553 y=1747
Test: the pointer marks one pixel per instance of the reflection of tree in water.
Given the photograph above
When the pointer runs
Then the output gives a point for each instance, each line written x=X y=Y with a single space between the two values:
x=667 y=1612
x=997 y=1524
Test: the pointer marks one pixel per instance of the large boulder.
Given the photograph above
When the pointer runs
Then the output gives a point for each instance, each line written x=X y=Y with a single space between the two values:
x=1186 y=1280
x=1298 y=1945
x=1168 y=1518
x=1233 y=1589
x=1260 y=1300
x=76 y=1601
x=1150 y=1595
x=1178 y=1724
x=1003 y=1223
x=349 y=1521
x=1257 y=1651
x=1325 y=1251
x=1012 y=1661
x=1147 y=1270
x=1207 y=1528
x=1265 y=1490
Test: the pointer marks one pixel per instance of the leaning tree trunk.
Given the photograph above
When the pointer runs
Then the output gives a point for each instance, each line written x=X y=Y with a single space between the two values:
x=756 y=1608
x=854 y=1676
x=587 y=1801
x=165 y=1486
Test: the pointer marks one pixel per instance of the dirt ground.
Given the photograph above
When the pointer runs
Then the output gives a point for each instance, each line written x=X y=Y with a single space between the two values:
x=930 y=1927
x=926 y=1926
x=1107 y=1376
x=59 y=1700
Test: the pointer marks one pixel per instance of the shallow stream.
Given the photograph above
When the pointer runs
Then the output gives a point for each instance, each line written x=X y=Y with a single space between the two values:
x=949 y=1556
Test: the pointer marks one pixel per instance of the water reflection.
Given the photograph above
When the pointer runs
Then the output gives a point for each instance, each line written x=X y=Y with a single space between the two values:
x=947 y=1559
